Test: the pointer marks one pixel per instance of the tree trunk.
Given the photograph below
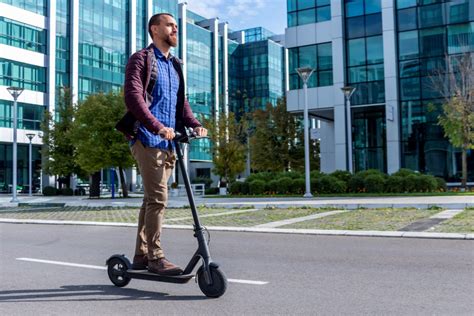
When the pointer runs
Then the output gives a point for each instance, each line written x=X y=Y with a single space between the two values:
x=123 y=183
x=94 y=191
x=464 y=168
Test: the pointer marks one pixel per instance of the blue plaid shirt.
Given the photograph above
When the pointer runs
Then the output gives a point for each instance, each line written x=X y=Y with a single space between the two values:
x=163 y=107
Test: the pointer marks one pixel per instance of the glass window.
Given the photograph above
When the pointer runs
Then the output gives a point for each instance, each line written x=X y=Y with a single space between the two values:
x=374 y=49
x=325 y=56
x=291 y=5
x=375 y=72
x=432 y=42
x=461 y=38
x=376 y=92
x=408 y=45
x=405 y=3
x=357 y=74
x=410 y=88
x=323 y=2
x=431 y=15
x=306 y=16
x=355 y=27
x=356 y=52
x=409 y=68
x=306 y=4
x=292 y=19
x=323 y=14
x=307 y=56
x=458 y=11
x=354 y=8
x=373 y=24
x=407 y=19
x=372 y=6
x=325 y=78
x=432 y=66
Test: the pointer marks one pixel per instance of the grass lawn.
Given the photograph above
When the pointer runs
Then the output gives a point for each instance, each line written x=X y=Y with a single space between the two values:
x=94 y=214
x=348 y=195
x=461 y=223
x=367 y=219
x=254 y=218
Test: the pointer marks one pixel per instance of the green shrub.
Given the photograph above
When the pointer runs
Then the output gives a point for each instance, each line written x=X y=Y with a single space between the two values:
x=365 y=173
x=236 y=188
x=342 y=175
x=411 y=182
x=441 y=184
x=271 y=186
x=356 y=184
x=404 y=172
x=284 y=185
x=298 y=186
x=49 y=191
x=328 y=184
x=257 y=187
x=207 y=181
x=67 y=191
x=426 y=183
x=264 y=176
x=290 y=174
x=395 y=184
x=315 y=174
x=211 y=191
x=374 y=183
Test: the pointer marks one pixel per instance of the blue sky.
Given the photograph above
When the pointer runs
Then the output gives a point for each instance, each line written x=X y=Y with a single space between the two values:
x=241 y=14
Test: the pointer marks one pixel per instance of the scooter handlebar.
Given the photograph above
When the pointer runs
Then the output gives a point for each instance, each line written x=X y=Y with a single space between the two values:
x=179 y=137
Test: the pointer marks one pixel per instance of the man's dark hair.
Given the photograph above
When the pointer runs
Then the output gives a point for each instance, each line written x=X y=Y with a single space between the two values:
x=155 y=20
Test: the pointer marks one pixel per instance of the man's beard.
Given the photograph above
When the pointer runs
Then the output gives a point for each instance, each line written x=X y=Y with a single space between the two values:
x=172 y=41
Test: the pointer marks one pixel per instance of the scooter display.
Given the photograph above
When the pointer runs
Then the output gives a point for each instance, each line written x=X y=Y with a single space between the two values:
x=210 y=277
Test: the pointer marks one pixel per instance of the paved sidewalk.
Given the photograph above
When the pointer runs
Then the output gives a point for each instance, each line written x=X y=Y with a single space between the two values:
x=448 y=202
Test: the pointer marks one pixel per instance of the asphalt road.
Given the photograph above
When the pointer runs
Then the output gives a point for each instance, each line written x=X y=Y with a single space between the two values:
x=306 y=275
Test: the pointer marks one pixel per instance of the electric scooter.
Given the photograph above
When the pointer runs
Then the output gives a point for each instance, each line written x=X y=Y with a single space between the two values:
x=210 y=277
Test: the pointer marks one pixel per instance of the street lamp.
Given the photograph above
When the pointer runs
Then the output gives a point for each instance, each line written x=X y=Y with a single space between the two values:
x=348 y=91
x=30 y=137
x=305 y=73
x=15 y=92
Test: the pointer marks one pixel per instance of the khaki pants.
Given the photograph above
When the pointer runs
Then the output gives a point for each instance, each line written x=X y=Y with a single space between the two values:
x=155 y=167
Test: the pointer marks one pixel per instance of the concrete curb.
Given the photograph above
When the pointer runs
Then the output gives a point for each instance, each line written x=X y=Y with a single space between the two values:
x=392 y=234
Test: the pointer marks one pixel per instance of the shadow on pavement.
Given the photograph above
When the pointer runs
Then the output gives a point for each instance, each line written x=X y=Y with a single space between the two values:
x=79 y=292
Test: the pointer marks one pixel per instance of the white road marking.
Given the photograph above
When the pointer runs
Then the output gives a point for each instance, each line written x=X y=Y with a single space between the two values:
x=88 y=266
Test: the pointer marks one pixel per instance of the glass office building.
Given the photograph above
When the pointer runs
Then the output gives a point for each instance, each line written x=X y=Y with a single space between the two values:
x=387 y=50
x=85 y=44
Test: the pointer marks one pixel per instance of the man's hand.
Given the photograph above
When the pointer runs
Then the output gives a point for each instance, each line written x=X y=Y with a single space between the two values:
x=200 y=131
x=166 y=133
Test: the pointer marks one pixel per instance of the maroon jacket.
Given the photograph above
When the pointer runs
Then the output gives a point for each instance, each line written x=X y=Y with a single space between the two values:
x=138 y=100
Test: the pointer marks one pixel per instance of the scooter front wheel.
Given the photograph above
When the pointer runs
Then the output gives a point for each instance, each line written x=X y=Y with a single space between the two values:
x=116 y=270
x=218 y=285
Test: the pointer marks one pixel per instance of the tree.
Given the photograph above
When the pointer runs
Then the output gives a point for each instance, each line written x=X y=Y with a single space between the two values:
x=58 y=149
x=98 y=144
x=456 y=87
x=228 y=152
x=277 y=141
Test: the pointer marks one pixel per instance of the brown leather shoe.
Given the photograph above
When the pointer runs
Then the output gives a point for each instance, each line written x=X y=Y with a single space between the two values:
x=140 y=262
x=164 y=267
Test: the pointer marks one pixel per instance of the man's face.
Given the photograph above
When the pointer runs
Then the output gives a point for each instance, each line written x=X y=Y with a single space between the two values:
x=167 y=30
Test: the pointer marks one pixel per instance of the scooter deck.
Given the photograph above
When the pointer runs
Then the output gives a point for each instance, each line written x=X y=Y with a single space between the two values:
x=146 y=275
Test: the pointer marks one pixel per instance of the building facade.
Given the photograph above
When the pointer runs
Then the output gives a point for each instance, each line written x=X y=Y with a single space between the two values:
x=388 y=50
x=85 y=45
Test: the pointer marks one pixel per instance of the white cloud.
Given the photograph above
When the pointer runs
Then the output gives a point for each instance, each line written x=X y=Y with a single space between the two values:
x=208 y=9
x=245 y=8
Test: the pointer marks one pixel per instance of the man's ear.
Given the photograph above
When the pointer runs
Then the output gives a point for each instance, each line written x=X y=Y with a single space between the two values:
x=154 y=29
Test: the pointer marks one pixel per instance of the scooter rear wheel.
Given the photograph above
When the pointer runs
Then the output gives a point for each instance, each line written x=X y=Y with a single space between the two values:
x=116 y=270
x=219 y=282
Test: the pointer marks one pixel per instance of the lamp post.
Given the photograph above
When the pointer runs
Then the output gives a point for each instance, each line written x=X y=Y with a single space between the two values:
x=15 y=92
x=30 y=169
x=348 y=91
x=305 y=73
